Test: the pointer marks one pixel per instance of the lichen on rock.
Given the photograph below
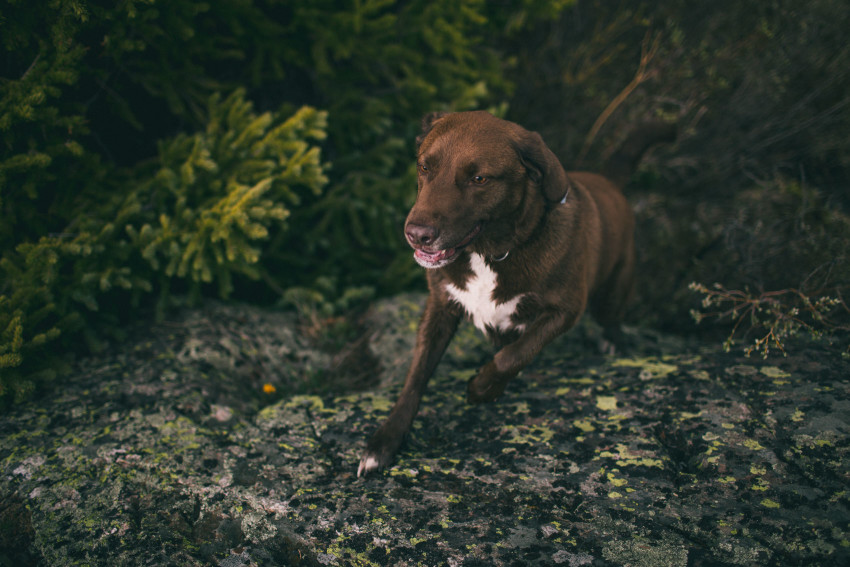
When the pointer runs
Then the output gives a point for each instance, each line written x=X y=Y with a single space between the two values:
x=168 y=450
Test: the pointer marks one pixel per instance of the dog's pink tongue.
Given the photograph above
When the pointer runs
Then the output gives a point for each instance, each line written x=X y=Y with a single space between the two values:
x=435 y=257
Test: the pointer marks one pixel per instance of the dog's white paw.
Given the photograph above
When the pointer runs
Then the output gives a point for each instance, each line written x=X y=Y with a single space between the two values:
x=381 y=448
x=367 y=464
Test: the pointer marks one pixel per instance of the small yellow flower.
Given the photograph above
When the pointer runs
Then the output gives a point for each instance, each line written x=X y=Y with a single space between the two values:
x=269 y=389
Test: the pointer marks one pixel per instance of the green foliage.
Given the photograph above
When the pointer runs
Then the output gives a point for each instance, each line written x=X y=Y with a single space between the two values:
x=324 y=299
x=134 y=165
x=30 y=319
x=182 y=52
x=199 y=215
x=398 y=62
x=152 y=148
x=40 y=139
x=219 y=192
x=39 y=136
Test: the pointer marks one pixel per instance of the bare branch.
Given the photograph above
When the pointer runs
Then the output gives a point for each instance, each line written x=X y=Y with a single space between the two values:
x=649 y=48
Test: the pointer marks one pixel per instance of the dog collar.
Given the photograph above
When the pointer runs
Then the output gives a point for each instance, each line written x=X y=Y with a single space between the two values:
x=502 y=257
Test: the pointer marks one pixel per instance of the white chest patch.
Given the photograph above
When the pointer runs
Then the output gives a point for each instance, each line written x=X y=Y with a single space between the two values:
x=477 y=298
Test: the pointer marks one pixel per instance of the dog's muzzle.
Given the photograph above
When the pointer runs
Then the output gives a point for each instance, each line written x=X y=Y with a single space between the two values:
x=420 y=237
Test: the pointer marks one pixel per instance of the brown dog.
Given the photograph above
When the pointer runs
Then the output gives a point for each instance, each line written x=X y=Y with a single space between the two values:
x=515 y=243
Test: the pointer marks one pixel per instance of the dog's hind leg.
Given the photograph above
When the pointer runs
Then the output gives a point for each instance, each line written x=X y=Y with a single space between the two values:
x=609 y=302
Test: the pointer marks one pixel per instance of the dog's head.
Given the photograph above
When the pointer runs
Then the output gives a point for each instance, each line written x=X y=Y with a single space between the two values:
x=483 y=185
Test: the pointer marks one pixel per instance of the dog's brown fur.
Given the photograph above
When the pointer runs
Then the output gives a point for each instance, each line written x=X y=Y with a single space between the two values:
x=487 y=188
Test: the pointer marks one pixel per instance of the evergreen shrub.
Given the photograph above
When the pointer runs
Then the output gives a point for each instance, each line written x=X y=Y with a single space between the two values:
x=152 y=148
x=200 y=215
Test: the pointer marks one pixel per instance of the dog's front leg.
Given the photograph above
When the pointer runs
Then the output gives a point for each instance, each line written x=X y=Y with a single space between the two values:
x=438 y=325
x=494 y=376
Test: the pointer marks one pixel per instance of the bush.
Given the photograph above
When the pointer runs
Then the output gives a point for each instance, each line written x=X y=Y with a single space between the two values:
x=773 y=317
x=781 y=251
x=153 y=149
x=754 y=195
x=218 y=192
x=198 y=216
x=135 y=167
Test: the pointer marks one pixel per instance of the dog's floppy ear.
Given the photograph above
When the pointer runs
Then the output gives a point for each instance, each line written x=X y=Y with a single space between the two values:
x=543 y=166
x=428 y=122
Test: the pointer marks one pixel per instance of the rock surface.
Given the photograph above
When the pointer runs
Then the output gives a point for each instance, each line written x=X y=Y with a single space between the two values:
x=173 y=450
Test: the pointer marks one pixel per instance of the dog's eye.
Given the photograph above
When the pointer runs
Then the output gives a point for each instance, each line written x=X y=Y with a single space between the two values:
x=422 y=167
x=479 y=180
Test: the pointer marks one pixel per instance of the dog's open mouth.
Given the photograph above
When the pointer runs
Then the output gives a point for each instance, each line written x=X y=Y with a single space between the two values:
x=446 y=256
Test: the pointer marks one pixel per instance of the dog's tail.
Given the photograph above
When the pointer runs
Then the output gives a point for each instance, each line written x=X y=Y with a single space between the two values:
x=623 y=163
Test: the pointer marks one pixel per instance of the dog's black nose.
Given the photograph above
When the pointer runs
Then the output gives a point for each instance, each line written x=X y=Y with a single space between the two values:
x=420 y=235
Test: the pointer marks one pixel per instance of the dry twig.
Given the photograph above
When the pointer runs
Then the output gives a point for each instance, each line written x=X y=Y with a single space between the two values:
x=648 y=50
